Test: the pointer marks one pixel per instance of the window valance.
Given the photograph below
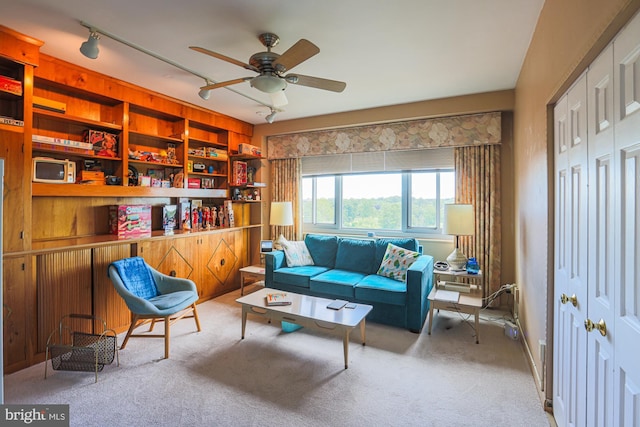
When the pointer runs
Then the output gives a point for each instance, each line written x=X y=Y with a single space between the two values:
x=455 y=131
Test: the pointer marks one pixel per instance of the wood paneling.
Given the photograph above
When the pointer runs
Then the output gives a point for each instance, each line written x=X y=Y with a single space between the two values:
x=63 y=283
x=107 y=304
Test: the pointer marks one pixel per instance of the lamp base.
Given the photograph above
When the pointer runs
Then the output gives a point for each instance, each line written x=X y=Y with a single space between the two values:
x=457 y=261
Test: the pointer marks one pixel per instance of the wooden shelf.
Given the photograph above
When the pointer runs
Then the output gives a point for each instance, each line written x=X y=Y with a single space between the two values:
x=77 y=120
x=80 y=190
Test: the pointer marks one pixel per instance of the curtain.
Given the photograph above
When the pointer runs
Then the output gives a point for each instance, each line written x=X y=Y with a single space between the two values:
x=477 y=172
x=286 y=187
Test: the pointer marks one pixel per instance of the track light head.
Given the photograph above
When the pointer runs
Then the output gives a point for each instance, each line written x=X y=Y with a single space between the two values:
x=205 y=93
x=90 y=47
x=271 y=117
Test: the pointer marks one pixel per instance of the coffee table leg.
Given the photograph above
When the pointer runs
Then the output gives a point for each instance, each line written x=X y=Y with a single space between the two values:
x=244 y=319
x=362 y=333
x=345 y=342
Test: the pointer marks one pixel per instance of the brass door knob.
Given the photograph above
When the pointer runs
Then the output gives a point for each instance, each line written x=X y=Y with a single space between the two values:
x=573 y=299
x=601 y=326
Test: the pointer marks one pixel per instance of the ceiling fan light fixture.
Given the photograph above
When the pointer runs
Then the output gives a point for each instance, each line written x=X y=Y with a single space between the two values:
x=268 y=83
x=90 y=47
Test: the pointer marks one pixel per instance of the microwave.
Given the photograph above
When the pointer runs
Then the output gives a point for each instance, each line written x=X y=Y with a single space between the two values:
x=53 y=171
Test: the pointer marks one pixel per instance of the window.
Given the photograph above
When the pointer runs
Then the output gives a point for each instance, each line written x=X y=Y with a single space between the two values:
x=386 y=202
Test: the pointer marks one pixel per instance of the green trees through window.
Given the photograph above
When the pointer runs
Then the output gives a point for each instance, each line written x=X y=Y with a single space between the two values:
x=401 y=202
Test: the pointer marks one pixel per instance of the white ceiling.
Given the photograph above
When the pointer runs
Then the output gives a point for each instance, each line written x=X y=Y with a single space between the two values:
x=388 y=52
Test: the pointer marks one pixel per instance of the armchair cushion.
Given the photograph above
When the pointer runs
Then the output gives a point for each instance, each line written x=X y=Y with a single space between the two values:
x=137 y=277
x=174 y=299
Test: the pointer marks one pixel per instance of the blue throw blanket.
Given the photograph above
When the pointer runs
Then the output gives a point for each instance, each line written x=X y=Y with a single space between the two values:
x=137 y=277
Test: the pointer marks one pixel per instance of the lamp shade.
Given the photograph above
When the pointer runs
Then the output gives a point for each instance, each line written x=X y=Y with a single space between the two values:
x=281 y=213
x=458 y=220
x=90 y=47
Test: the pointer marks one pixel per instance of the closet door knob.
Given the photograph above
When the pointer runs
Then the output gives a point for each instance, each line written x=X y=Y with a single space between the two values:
x=572 y=299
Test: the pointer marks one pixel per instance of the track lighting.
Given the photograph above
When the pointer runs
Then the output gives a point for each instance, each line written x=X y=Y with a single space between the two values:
x=90 y=47
x=90 y=50
x=205 y=93
x=271 y=117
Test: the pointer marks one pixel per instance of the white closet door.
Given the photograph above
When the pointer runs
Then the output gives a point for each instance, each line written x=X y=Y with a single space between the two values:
x=570 y=287
x=600 y=87
x=627 y=233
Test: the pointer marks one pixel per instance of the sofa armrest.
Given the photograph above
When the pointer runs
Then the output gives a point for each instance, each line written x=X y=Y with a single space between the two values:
x=273 y=261
x=419 y=284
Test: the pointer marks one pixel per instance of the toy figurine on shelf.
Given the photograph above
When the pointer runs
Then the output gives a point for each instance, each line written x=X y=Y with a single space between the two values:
x=221 y=216
x=194 y=219
x=206 y=218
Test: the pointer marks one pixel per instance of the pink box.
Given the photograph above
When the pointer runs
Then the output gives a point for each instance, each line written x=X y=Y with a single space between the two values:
x=193 y=183
x=130 y=221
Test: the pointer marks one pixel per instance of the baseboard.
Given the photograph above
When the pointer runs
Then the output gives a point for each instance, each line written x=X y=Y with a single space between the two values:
x=539 y=377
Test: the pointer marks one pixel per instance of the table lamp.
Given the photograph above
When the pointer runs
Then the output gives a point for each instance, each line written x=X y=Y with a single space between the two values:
x=281 y=215
x=458 y=221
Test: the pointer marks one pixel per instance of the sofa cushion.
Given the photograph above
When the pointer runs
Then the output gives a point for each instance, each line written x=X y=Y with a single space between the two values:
x=323 y=249
x=381 y=248
x=296 y=252
x=355 y=255
x=338 y=283
x=297 y=276
x=396 y=262
x=374 y=288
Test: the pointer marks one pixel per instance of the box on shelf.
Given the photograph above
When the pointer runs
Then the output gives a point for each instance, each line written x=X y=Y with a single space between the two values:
x=249 y=149
x=193 y=182
x=7 y=84
x=104 y=143
x=49 y=104
x=169 y=217
x=130 y=221
x=184 y=214
x=239 y=172
x=94 y=177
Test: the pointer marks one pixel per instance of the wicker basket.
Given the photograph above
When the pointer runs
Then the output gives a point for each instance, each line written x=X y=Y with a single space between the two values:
x=71 y=350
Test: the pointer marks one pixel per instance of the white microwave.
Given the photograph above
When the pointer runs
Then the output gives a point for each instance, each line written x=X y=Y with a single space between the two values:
x=53 y=171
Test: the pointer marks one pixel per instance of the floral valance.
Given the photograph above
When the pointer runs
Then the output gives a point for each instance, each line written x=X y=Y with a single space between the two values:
x=456 y=131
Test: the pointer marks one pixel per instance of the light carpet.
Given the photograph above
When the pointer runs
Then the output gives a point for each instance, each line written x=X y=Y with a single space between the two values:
x=213 y=378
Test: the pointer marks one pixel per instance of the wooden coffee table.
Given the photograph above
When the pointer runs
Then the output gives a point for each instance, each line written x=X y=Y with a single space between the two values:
x=309 y=312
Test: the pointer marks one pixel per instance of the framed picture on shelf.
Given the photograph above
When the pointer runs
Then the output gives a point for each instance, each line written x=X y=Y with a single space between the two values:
x=207 y=183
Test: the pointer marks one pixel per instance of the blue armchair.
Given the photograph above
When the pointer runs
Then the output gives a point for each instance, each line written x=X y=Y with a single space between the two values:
x=153 y=296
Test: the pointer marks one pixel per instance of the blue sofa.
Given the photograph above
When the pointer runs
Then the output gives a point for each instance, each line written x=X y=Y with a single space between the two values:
x=345 y=268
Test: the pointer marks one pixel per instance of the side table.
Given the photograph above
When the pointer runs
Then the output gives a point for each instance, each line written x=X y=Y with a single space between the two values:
x=469 y=300
x=252 y=272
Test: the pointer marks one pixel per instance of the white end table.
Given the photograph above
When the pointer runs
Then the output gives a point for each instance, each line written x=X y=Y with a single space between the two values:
x=252 y=272
x=468 y=302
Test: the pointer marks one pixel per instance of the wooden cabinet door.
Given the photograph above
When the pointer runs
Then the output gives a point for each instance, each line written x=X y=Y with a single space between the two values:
x=11 y=149
x=107 y=304
x=15 y=317
x=63 y=282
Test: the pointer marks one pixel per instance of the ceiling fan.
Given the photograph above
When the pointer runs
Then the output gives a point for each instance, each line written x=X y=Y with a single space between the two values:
x=271 y=67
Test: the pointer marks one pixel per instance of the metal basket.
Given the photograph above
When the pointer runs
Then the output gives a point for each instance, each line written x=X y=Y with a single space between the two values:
x=71 y=350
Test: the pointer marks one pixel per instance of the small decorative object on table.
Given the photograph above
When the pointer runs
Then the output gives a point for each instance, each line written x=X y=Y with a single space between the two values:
x=278 y=298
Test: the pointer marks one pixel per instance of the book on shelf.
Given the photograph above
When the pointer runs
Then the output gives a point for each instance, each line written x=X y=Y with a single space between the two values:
x=278 y=298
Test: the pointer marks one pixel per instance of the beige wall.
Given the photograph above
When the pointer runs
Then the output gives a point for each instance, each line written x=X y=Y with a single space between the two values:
x=569 y=34
x=484 y=102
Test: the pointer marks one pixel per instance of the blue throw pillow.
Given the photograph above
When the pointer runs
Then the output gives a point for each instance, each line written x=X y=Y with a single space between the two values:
x=323 y=249
x=356 y=255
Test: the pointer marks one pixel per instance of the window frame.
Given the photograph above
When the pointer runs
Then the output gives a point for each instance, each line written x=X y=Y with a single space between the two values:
x=406 y=227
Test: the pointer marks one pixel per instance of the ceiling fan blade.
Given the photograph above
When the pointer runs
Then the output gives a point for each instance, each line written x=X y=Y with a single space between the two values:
x=296 y=54
x=279 y=99
x=317 y=82
x=224 y=58
x=227 y=83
